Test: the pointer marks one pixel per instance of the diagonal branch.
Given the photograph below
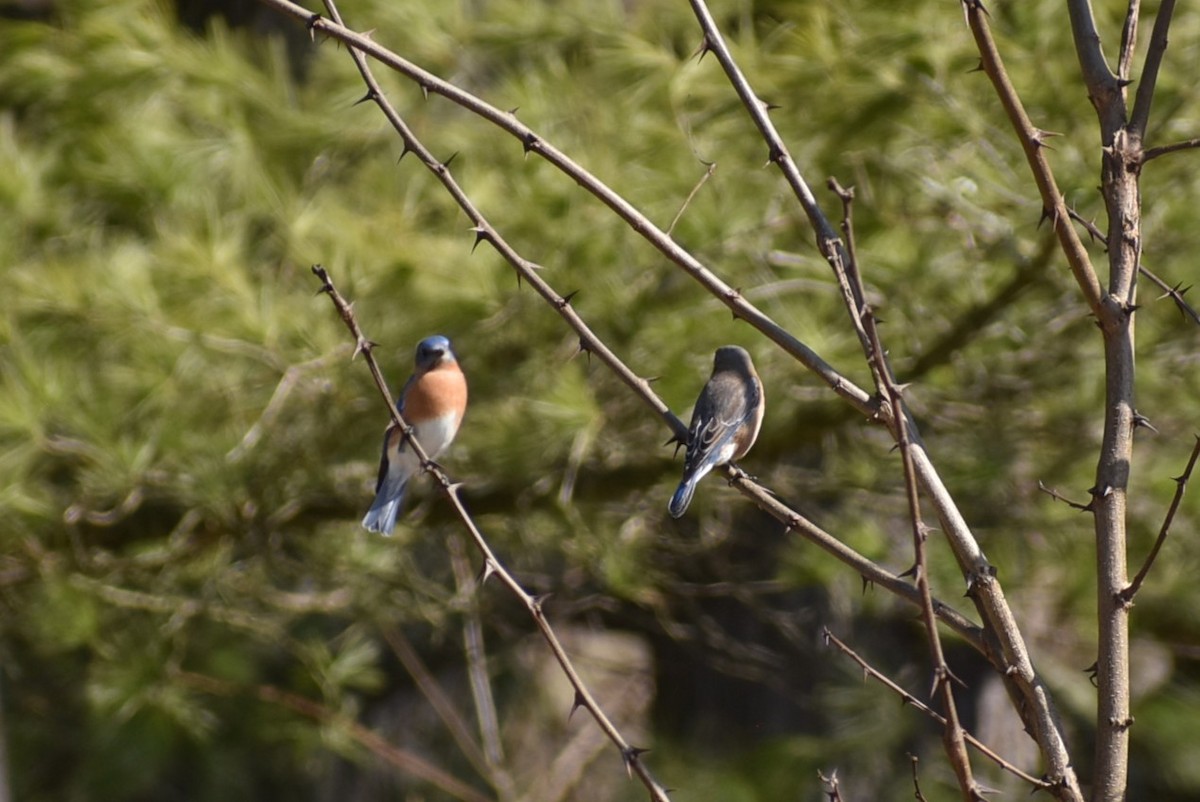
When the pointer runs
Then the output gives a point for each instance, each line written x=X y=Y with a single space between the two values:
x=952 y=733
x=1163 y=150
x=437 y=698
x=1175 y=293
x=492 y=565
x=916 y=703
x=536 y=144
x=1033 y=143
x=1181 y=482
x=1102 y=85
x=590 y=342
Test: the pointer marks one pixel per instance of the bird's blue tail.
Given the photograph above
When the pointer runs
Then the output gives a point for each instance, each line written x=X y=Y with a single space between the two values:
x=386 y=507
x=682 y=498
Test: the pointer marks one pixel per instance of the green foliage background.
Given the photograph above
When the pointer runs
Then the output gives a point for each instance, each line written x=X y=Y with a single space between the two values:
x=163 y=193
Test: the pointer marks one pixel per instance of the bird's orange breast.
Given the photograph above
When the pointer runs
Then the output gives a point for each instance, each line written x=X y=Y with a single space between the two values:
x=441 y=390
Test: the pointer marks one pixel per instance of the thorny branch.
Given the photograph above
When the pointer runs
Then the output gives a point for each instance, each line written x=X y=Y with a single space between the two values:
x=492 y=565
x=1011 y=655
x=983 y=587
x=1181 y=482
x=952 y=733
x=534 y=143
x=920 y=706
x=591 y=343
x=1033 y=143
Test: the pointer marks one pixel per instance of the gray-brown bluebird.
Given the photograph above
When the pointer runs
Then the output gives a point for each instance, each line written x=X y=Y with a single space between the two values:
x=725 y=421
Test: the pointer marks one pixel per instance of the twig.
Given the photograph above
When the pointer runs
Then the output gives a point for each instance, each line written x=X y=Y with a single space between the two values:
x=710 y=168
x=1140 y=116
x=1163 y=150
x=1174 y=293
x=1128 y=42
x=920 y=706
x=832 y=787
x=849 y=279
x=1180 y=488
x=1090 y=226
x=1054 y=494
x=916 y=777
x=379 y=746
x=291 y=377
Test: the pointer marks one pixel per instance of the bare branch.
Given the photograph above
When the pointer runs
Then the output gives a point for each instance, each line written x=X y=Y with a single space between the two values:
x=594 y=345
x=1175 y=293
x=1163 y=150
x=493 y=566
x=983 y=586
x=1154 y=56
x=1035 y=153
x=1054 y=494
x=534 y=143
x=920 y=706
x=952 y=734
x=832 y=787
x=916 y=778
x=708 y=173
x=437 y=698
x=1128 y=42
x=1180 y=488
x=1101 y=84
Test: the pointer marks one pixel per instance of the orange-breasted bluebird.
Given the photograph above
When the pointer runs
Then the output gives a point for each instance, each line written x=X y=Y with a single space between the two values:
x=433 y=402
x=725 y=421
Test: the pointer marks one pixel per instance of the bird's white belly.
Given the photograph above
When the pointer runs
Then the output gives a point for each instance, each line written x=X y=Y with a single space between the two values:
x=433 y=435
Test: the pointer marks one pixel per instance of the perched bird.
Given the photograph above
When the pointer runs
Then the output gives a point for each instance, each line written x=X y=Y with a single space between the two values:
x=432 y=402
x=725 y=421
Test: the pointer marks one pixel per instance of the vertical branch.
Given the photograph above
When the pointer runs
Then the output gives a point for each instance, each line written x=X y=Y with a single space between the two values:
x=984 y=588
x=1128 y=42
x=1122 y=159
x=1154 y=56
x=953 y=739
x=477 y=671
x=1103 y=87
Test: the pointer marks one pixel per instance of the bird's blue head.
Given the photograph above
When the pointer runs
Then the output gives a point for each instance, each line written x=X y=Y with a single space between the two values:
x=433 y=351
